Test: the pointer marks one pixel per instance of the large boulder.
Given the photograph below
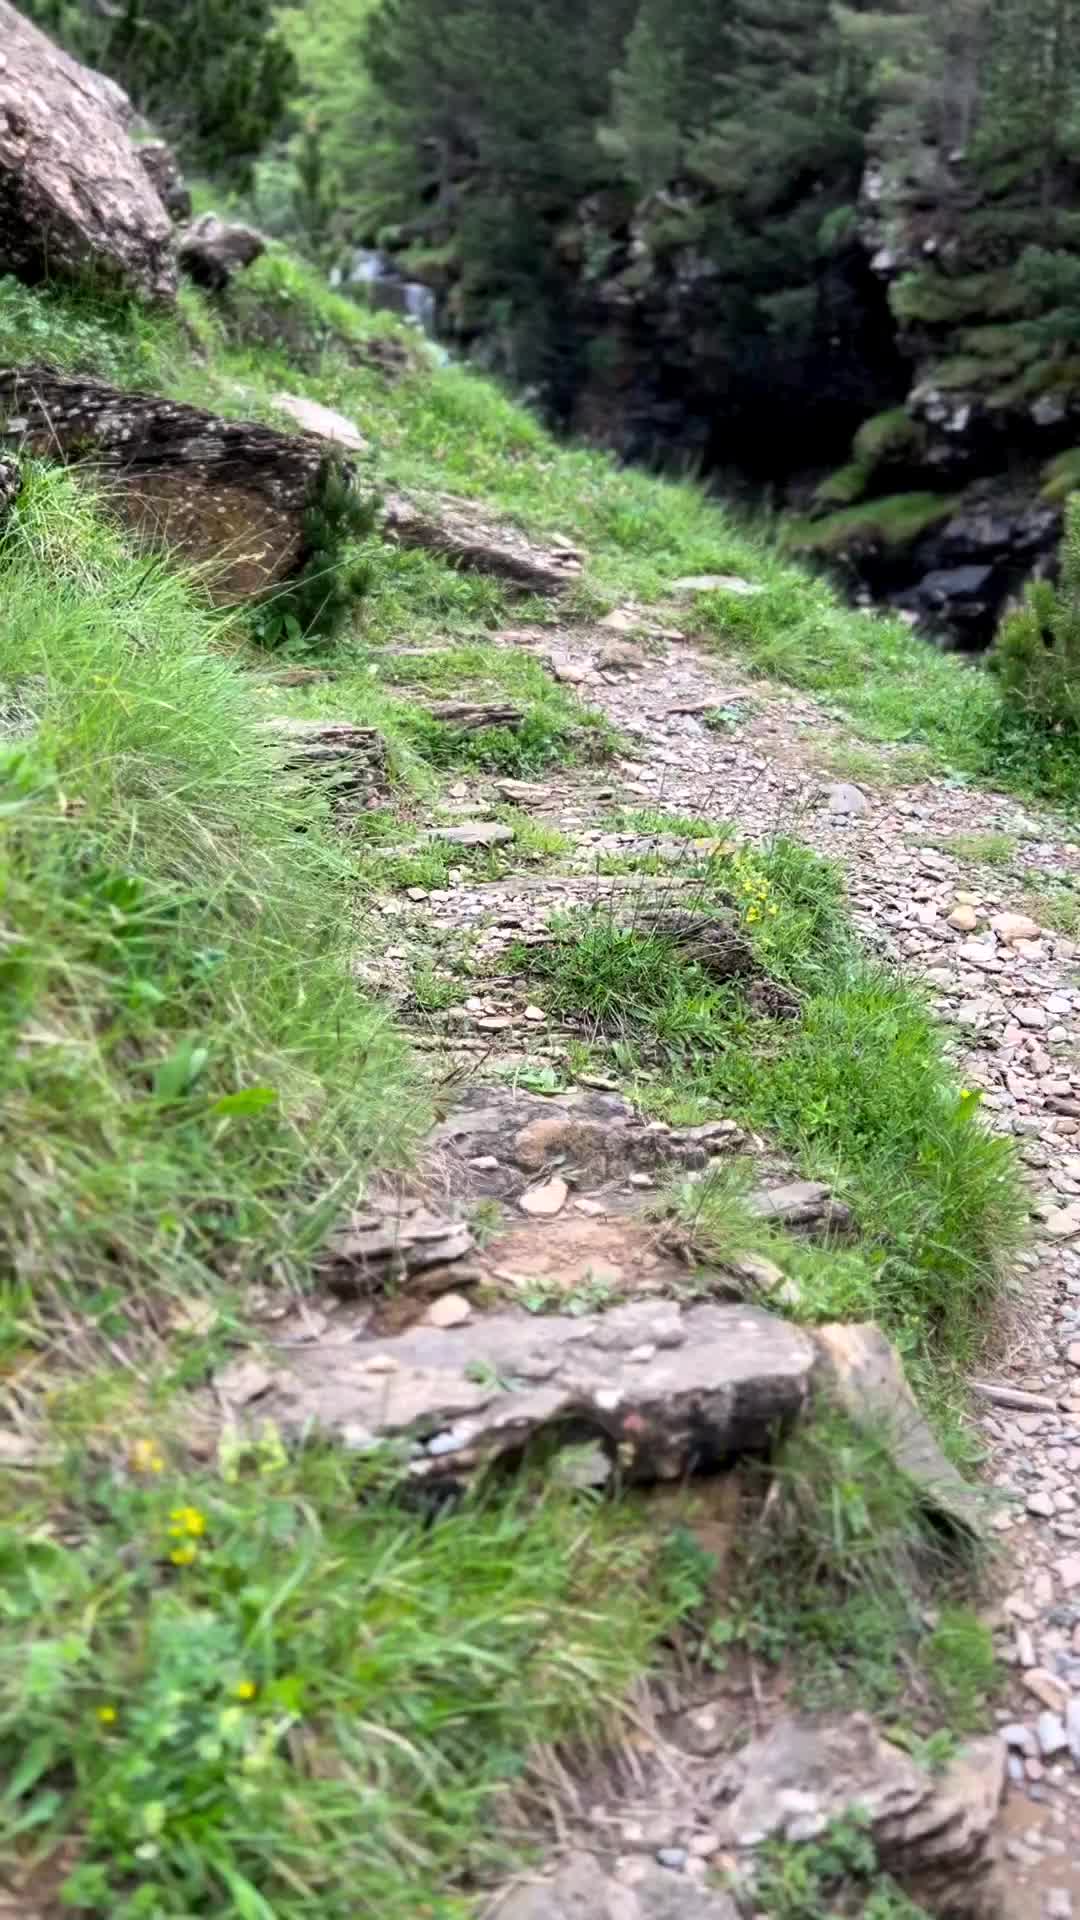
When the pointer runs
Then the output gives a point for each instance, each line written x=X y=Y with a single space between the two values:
x=230 y=496
x=211 y=250
x=74 y=199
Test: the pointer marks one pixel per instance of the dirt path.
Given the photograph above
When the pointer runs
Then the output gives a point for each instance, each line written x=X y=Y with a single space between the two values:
x=1015 y=1012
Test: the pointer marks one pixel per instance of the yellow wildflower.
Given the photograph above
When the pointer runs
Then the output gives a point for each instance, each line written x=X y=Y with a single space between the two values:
x=183 y=1556
x=244 y=1690
x=187 y=1520
x=145 y=1457
x=107 y=1716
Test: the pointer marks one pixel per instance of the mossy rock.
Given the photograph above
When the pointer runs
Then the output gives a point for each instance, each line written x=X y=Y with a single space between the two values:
x=890 y=524
x=844 y=487
x=892 y=436
x=1061 y=476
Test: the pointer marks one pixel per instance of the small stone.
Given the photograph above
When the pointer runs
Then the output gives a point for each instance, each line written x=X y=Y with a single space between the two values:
x=964 y=919
x=382 y=1363
x=714 y=583
x=443 y=1443
x=545 y=1201
x=450 y=1310
x=847 y=800
x=244 y=1380
x=619 y=657
x=569 y=673
x=967 y=899
x=674 y=1858
x=1046 y=1687
x=1052 y=1736
x=1057 y=1904
x=1041 y=1504
x=980 y=954
x=1063 y=1223
x=1031 y=1017
x=1015 y=926
x=535 y=1014
x=484 y=1163
x=1072 y=1352
x=1068 y=1571
x=1025 y=1648
x=1072 y=1727
x=1018 y=1736
x=704 y=1845
x=473 y=833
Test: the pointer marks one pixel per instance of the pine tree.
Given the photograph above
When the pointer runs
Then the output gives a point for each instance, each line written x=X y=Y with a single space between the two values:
x=213 y=75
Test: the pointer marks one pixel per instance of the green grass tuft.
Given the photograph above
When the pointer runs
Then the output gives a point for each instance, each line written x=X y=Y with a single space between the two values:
x=857 y=1088
x=192 y=1086
x=272 y=1689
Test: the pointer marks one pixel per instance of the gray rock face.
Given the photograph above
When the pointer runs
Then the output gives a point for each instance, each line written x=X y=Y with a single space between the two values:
x=581 y=1890
x=227 y=494
x=936 y=1836
x=865 y=1378
x=163 y=170
x=465 y=535
x=211 y=250
x=73 y=196
x=670 y=1391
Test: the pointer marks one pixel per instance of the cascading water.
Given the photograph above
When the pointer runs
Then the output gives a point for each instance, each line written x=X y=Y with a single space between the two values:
x=387 y=289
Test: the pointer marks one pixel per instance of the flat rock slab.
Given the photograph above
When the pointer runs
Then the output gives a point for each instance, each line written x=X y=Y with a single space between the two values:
x=671 y=1391
x=715 y=583
x=312 y=417
x=581 y=1890
x=473 y=833
x=600 y=1136
x=392 y=1243
x=463 y=533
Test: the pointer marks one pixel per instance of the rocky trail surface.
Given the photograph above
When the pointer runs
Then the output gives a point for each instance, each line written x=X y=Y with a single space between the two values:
x=569 y=1180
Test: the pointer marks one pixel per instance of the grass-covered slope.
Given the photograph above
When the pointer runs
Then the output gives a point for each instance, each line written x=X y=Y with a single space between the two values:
x=445 y=428
x=191 y=1084
x=238 y=1681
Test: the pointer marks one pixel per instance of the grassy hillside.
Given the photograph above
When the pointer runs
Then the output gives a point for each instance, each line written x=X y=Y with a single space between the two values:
x=445 y=427
x=234 y=1680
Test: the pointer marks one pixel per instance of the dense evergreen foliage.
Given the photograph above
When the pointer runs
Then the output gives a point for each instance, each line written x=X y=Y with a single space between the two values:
x=576 y=179
x=212 y=74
